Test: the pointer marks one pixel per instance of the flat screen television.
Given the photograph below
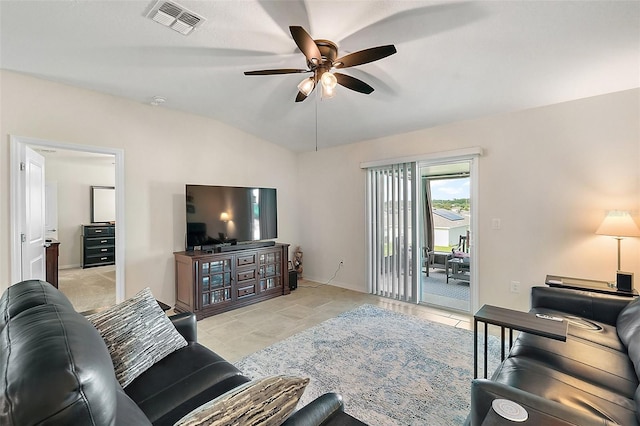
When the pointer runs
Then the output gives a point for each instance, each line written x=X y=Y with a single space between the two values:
x=227 y=214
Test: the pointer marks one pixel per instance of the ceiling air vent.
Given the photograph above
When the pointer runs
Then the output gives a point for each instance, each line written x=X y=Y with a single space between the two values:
x=174 y=16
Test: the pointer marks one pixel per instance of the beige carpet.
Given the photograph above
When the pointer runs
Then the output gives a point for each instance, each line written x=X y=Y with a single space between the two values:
x=89 y=288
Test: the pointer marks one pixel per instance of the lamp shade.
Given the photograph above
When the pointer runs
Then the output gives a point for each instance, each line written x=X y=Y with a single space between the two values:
x=618 y=224
x=224 y=216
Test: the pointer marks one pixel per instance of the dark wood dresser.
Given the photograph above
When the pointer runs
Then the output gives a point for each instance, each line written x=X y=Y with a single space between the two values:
x=211 y=283
x=98 y=245
x=51 y=252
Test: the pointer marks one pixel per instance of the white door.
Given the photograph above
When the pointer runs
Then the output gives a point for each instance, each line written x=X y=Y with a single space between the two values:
x=33 y=227
x=51 y=209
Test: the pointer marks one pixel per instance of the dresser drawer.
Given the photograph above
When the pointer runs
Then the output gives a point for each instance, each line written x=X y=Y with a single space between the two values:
x=90 y=243
x=100 y=251
x=99 y=260
x=97 y=231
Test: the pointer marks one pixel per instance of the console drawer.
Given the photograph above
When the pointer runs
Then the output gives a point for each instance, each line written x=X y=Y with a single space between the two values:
x=246 y=275
x=249 y=290
x=246 y=259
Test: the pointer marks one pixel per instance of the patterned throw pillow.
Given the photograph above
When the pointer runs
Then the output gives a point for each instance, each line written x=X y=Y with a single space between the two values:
x=263 y=402
x=138 y=334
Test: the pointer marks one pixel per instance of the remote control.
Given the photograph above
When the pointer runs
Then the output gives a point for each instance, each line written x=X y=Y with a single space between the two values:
x=549 y=317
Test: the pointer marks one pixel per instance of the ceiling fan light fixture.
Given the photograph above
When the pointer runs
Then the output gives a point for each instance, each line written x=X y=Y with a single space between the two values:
x=322 y=60
x=328 y=92
x=329 y=81
x=306 y=86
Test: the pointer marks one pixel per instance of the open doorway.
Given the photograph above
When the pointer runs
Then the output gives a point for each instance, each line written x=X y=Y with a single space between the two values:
x=446 y=273
x=104 y=166
x=86 y=265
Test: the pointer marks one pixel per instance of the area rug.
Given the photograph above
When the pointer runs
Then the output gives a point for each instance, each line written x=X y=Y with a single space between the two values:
x=390 y=368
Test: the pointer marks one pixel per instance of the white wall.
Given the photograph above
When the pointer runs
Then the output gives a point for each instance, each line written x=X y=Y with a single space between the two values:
x=75 y=176
x=548 y=173
x=163 y=150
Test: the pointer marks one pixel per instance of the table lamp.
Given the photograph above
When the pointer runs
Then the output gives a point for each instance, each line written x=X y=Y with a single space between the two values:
x=618 y=224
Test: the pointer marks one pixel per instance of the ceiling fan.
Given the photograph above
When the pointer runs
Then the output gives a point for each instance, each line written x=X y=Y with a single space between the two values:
x=321 y=61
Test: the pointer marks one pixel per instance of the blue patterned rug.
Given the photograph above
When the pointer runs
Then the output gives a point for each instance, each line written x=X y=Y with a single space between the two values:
x=390 y=368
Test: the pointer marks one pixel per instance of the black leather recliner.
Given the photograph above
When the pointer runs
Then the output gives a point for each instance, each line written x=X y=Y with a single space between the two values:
x=591 y=379
x=55 y=369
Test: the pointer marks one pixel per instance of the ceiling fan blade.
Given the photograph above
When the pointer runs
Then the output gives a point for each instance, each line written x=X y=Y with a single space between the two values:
x=353 y=83
x=300 y=97
x=418 y=23
x=276 y=71
x=285 y=12
x=305 y=43
x=365 y=56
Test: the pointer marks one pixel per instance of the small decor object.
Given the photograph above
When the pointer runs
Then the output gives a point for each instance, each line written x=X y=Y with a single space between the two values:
x=261 y=402
x=510 y=410
x=624 y=281
x=297 y=261
x=138 y=334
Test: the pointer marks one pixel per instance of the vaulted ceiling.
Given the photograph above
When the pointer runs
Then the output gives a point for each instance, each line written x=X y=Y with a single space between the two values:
x=455 y=60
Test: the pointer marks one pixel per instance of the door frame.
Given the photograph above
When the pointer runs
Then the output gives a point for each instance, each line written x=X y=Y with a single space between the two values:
x=16 y=144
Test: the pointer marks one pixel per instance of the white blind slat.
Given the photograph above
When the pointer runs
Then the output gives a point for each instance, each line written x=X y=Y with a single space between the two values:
x=391 y=233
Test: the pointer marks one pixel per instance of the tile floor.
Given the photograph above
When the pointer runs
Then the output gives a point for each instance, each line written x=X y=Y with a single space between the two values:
x=243 y=331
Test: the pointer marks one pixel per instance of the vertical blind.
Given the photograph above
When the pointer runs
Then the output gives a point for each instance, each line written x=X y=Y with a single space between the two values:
x=392 y=233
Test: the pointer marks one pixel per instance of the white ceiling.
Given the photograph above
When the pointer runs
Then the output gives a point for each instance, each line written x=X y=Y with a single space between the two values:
x=455 y=60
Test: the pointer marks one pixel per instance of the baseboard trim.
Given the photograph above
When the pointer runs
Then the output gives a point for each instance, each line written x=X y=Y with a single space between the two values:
x=70 y=266
x=335 y=283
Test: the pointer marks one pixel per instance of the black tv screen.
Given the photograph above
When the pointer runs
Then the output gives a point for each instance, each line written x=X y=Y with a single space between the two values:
x=226 y=214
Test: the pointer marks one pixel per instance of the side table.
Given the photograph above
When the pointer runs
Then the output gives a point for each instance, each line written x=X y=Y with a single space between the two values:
x=513 y=320
x=459 y=269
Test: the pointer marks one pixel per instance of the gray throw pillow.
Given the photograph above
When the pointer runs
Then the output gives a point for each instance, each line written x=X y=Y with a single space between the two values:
x=263 y=402
x=138 y=334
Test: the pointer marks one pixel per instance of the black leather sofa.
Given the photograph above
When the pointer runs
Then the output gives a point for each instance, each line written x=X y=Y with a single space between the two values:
x=55 y=369
x=591 y=379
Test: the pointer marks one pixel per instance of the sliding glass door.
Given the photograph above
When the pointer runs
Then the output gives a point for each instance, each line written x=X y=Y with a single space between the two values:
x=421 y=219
x=446 y=272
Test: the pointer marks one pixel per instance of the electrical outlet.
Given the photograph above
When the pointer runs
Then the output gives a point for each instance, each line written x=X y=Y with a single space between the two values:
x=515 y=286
